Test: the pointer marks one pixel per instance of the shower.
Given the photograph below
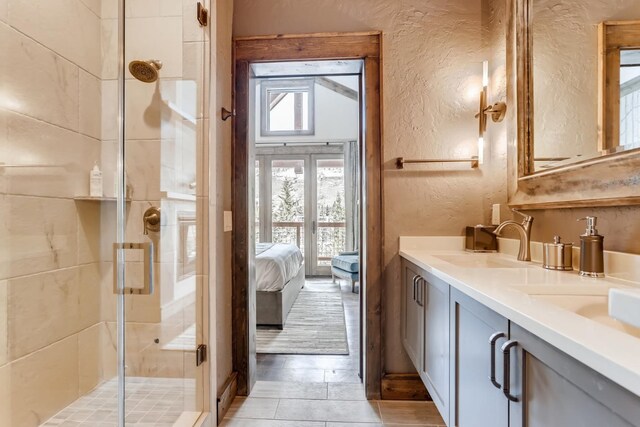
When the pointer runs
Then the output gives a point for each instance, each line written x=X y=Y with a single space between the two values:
x=144 y=134
x=145 y=71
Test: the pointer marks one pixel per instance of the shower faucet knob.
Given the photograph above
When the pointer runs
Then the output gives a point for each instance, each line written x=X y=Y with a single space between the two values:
x=152 y=219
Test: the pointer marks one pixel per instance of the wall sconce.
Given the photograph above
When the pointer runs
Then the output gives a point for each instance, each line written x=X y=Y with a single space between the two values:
x=497 y=111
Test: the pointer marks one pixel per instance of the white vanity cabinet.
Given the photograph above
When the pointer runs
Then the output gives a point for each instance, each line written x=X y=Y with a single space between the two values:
x=482 y=369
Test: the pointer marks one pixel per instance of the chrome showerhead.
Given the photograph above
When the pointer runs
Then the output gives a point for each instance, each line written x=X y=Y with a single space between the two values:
x=145 y=71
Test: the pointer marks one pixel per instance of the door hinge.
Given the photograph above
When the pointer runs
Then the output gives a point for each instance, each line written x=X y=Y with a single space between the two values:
x=202 y=15
x=201 y=354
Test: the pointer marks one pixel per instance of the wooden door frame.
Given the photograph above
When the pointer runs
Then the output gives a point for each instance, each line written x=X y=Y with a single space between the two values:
x=325 y=46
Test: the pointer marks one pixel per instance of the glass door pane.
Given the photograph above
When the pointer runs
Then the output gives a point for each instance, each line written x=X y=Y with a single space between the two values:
x=58 y=341
x=165 y=132
x=288 y=202
x=330 y=215
x=257 y=207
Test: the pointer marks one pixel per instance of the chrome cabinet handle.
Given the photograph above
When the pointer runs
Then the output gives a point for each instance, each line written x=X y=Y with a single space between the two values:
x=492 y=341
x=415 y=278
x=147 y=288
x=506 y=352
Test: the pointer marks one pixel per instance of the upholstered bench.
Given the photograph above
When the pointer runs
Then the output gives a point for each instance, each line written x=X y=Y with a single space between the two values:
x=346 y=266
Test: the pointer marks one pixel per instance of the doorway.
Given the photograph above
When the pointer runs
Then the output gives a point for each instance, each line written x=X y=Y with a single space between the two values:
x=311 y=50
x=304 y=136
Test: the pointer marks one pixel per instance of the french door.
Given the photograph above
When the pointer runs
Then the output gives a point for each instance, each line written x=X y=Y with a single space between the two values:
x=300 y=199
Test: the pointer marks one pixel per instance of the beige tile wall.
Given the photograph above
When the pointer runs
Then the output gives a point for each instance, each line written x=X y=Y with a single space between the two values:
x=39 y=83
x=67 y=27
x=37 y=386
x=50 y=119
x=3 y=10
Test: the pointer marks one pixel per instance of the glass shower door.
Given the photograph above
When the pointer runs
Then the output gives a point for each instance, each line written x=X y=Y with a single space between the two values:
x=165 y=61
x=102 y=208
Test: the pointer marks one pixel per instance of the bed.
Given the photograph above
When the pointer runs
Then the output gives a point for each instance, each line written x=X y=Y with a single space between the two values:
x=279 y=279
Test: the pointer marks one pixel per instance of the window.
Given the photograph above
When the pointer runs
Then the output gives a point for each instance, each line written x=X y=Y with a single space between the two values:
x=287 y=107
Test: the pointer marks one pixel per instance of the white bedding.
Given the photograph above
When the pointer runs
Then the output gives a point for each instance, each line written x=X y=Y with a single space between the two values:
x=276 y=264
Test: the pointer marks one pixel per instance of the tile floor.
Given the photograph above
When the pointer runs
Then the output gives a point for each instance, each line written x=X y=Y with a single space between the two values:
x=319 y=368
x=322 y=391
x=292 y=404
x=157 y=402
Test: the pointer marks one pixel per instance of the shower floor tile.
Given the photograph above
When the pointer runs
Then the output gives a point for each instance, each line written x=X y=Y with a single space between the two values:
x=150 y=402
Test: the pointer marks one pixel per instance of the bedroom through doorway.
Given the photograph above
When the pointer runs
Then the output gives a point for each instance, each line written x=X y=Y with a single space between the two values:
x=305 y=131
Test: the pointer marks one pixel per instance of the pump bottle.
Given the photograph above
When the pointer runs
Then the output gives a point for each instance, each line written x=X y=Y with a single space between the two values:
x=591 y=250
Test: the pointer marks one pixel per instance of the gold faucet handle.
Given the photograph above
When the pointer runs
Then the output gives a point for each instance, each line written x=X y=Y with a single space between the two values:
x=525 y=218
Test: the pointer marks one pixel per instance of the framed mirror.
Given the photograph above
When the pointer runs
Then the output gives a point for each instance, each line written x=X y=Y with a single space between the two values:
x=574 y=79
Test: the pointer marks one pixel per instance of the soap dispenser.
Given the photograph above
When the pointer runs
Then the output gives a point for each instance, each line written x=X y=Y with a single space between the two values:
x=591 y=250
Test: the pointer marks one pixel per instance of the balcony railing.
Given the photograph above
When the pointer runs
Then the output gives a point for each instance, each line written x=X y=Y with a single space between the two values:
x=298 y=226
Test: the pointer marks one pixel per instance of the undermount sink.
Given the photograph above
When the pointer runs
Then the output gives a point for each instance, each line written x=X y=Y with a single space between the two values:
x=481 y=260
x=594 y=307
x=624 y=305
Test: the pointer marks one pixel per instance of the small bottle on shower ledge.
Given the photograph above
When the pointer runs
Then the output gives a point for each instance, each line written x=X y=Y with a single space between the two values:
x=95 y=181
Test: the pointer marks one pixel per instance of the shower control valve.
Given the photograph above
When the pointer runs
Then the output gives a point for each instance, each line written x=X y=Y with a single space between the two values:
x=152 y=220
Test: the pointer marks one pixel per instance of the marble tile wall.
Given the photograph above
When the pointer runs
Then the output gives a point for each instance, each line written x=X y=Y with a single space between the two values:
x=50 y=126
x=35 y=387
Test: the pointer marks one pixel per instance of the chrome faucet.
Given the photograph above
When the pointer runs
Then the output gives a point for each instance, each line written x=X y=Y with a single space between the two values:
x=524 y=230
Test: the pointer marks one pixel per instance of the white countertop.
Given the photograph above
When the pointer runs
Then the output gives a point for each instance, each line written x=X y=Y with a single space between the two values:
x=613 y=353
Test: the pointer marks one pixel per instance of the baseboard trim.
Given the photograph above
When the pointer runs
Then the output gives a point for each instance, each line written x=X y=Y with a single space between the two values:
x=225 y=398
x=403 y=387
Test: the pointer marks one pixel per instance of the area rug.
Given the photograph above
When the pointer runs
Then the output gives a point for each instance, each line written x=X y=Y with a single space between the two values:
x=315 y=325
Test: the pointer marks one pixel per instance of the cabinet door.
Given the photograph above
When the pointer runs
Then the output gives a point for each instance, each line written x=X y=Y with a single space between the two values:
x=474 y=400
x=435 y=361
x=412 y=315
x=555 y=390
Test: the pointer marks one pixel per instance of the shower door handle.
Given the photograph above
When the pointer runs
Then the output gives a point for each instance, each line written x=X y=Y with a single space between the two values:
x=314 y=227
x=147 y=288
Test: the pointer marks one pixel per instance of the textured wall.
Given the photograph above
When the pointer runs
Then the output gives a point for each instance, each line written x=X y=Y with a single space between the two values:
x=620 y=226
x=432 y=74
x=565 y=59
